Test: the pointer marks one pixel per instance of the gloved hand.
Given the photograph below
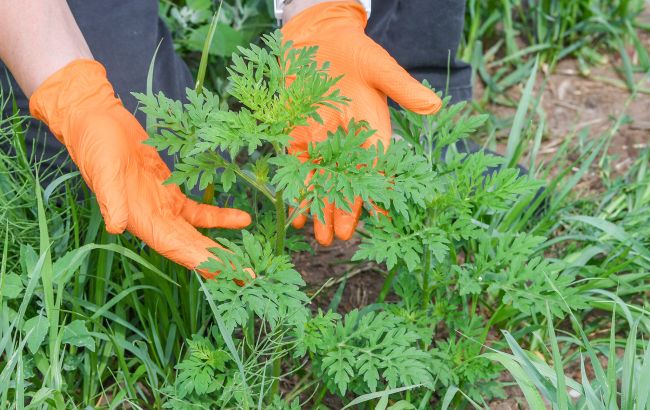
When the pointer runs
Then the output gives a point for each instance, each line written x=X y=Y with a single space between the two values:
x=370 y=74
x=105 y=141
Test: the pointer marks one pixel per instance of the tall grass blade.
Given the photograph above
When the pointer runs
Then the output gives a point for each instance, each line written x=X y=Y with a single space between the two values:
x=379 y=395
x=562 y=398
x=525 y=383
x=515 y=137
x=47 y=275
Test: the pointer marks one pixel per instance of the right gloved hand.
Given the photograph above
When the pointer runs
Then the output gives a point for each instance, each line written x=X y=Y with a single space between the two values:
x=369 y=76
x=106 y=142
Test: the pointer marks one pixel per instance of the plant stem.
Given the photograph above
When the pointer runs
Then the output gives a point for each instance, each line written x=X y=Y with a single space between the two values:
x=388 y=282
x=425 y=283
x=249 y=332
x=320 y=397
x=280 y=216
x=276 y=370
x=260 y=187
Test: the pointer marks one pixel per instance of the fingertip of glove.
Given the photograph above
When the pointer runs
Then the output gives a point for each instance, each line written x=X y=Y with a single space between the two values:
x=324 y=234
x=244 y=282
x=207 y=275
x=345 y=234
x=241 y=219
x=299 y=222
x=231 y=218
x=115 y=229
x=346 y=223
x=427 y=103
x=213 y=275
x=115 y=223
x=326 y=242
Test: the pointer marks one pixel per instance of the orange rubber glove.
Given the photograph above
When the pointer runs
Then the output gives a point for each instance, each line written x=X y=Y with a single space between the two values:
x=105 y=141
x=370 y=74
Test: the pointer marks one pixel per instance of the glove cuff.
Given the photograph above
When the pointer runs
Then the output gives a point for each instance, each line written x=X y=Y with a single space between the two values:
x=324 y=16
x=69 y=92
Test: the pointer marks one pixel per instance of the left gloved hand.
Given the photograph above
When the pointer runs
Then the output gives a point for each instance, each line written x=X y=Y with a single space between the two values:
x=370 y=74
x=107 y=144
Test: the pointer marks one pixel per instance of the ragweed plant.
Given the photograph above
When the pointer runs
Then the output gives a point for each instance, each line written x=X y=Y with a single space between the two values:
x=462 y=265
x=277 y=89
x=448 y=239
x=455 y=238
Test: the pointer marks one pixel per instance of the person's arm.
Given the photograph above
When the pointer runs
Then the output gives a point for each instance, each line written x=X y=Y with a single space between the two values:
x=293 y=7
x=37 y=38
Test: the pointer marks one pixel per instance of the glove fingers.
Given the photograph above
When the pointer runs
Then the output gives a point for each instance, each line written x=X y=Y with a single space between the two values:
x=177 y=240
x=378 y=120
x=208 y=216
x=300 y=220
x=324 y=231
x=104 y=167
x=345 y=223
x=303 y=136
x=385 y=74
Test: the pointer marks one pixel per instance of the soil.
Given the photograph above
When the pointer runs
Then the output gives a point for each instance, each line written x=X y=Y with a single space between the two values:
x=583 y=107
x=573 y=104
x=329 y=266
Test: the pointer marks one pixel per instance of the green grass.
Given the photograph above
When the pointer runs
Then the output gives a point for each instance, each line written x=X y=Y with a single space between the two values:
x=622 y=382
x=504 y=37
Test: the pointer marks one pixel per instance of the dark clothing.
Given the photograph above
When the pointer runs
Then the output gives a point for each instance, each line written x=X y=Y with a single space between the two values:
x=123 y=36
x=423 y=36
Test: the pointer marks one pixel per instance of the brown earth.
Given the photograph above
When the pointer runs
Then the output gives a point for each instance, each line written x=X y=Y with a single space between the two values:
x=579 y=107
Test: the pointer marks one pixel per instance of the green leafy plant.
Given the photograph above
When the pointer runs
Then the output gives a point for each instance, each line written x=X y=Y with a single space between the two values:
x=365 y=353
x=200 y=131
x=205 y=370
x=208 y=140
x=454 y=259
x=446 y=239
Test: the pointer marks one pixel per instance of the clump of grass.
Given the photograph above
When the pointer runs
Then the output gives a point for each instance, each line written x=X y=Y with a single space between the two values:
x=19 y=173
x=555 y=29
x=620 y=383
x=503 y=38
